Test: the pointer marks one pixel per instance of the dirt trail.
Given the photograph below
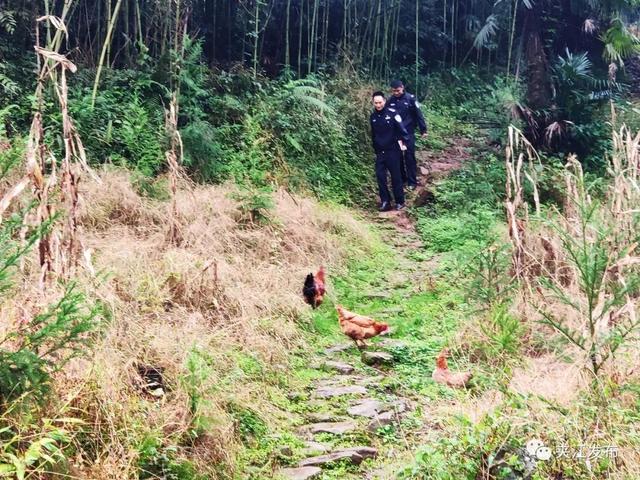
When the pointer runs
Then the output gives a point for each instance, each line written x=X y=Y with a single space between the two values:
x=432 y=166
x=347 y=413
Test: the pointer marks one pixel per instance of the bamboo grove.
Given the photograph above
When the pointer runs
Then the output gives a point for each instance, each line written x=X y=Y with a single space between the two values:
x=306 y=36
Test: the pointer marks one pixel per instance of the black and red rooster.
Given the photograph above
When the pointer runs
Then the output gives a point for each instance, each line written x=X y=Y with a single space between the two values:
x=313 y=290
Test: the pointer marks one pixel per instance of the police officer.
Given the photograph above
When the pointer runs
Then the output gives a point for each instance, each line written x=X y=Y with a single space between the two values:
x=389 y=136
x=406 y=105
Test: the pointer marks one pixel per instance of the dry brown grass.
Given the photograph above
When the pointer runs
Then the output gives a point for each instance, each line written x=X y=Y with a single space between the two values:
x=230 y=290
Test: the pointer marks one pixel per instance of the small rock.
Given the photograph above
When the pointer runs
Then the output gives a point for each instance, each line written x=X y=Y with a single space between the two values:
x=338 y=348
x=377 y=358
x=382 y=420
x=340 y=367
x=424 y=171
x=286 y=451
x=335 y=428
x=302 y=473
x=314 y=448
x=368 y=408
x=424 y=197
x=355 y=454
x=295 y=396
x=158 y=392
x=328 y=392
x=399 y=406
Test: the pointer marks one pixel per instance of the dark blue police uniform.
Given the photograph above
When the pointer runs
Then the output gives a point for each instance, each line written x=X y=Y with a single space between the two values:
x=408 y=108
x=386 y=130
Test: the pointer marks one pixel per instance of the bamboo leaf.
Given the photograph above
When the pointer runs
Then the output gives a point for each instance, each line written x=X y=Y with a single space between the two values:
x=487 y=32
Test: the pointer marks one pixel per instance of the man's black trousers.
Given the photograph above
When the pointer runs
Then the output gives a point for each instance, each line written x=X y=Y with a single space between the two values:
x=408 y=167
x=389 y=161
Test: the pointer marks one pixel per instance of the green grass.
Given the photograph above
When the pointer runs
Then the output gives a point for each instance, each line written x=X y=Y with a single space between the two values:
x=389 y=286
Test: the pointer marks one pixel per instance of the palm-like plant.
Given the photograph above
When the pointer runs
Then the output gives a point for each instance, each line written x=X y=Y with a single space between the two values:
x=619 y=42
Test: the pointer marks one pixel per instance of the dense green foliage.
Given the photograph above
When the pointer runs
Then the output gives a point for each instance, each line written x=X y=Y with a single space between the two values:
x=310 y=134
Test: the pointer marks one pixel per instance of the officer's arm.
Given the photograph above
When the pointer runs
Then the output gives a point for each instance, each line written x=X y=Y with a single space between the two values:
x=417 y=113
x=401 y=131
x=373 y=135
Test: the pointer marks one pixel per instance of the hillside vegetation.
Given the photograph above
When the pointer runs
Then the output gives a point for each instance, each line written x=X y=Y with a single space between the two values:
x=171 y=172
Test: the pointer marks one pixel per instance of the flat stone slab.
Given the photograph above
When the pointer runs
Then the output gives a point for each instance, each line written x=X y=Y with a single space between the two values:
x=329 y=382
x=329 y=392
x=314 y=448
x=335 y=428
x=339 y=367
x=370 y=381
x=368 y=408
x=399 y=406
x=377 y=358
x=354 y=454
x=302 y=473
x=382 y=420
x=323 y=417
x=339 y=348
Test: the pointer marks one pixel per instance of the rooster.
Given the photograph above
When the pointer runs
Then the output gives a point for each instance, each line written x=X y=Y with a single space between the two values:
x=443 y=375
x=313 y=290
x=358 y=327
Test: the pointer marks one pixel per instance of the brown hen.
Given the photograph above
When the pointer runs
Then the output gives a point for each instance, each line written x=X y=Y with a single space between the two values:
x=443 y=375
x=358 y=327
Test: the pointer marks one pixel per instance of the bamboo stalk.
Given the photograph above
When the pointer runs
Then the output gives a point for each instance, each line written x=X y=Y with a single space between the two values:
x=103 y=54
x=417 y=44
x=511 y=37
x=287 y=48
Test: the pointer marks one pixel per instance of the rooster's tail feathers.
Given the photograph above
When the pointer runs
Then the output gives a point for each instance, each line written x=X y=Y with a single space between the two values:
x=320 y=274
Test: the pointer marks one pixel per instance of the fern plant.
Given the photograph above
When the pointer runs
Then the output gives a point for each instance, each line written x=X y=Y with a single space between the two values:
x=8 y=21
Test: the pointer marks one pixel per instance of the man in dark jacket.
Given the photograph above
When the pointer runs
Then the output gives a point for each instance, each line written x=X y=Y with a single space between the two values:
x=406 y=105
x=388 y=136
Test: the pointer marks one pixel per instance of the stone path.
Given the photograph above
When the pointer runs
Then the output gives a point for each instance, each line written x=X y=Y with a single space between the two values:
x=350 y=410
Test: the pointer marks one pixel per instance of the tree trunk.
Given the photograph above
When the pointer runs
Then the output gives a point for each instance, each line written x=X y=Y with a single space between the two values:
x=538 y=87
x=538 y=81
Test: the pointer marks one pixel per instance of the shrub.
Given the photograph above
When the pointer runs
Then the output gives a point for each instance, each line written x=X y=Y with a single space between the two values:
x=32 y=350
x=44 y=345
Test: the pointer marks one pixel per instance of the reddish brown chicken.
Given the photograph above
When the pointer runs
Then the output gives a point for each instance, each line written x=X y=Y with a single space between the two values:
x=314 y=290
x=358 y=327
x=443 y=375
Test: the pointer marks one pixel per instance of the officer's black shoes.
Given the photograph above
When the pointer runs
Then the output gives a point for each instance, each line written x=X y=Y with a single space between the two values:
x=412 y=187
x=385 y=207
x=400 y=206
